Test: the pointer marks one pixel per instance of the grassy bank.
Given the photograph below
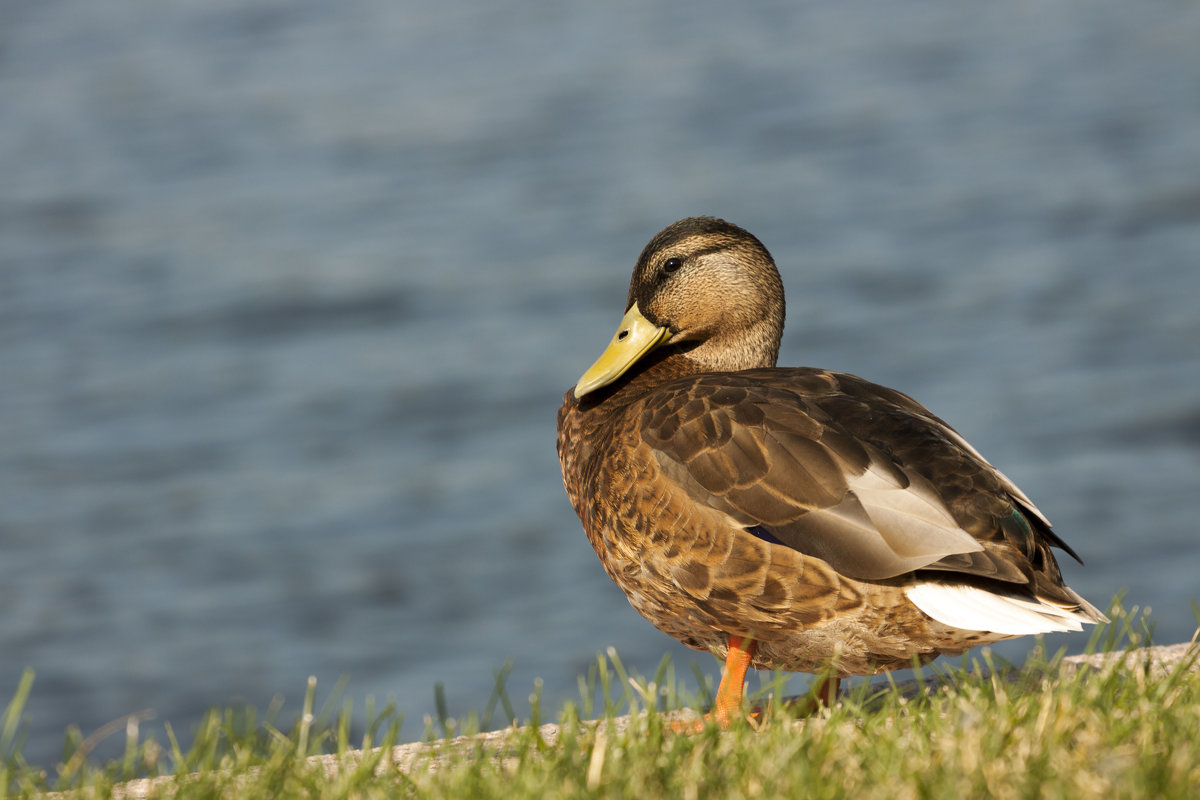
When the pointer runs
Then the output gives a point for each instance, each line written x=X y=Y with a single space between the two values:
x=1129 y=727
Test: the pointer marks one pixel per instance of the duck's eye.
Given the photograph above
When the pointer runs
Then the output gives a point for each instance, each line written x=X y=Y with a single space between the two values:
x=672 y=265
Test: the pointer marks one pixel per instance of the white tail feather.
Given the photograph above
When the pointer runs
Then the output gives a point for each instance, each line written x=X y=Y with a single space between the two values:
x=974 y=609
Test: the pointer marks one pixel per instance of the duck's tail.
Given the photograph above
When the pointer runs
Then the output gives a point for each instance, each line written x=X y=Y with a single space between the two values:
x=974 y=608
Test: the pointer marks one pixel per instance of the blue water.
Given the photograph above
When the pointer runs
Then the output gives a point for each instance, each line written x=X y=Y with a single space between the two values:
x=290 y=291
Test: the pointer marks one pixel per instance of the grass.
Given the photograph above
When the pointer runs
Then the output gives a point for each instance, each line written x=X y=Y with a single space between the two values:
x=1125 y=729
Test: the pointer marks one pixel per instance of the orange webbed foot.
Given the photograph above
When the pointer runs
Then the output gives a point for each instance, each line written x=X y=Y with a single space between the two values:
x=727 y=707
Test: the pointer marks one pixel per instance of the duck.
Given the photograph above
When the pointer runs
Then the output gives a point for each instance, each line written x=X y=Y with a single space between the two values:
x=788 y=518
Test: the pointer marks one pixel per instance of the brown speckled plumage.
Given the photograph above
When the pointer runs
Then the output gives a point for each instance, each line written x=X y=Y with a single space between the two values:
x=791 y=507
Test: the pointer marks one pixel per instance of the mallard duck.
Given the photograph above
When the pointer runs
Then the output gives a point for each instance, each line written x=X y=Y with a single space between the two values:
x=788 y=518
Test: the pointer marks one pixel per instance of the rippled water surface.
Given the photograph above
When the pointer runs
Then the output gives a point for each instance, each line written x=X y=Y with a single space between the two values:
x=289 y=294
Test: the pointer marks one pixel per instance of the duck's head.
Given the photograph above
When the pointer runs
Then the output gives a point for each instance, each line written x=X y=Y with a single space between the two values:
x=706 y=288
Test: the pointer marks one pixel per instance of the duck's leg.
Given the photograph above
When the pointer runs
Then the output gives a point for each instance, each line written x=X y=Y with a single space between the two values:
x=827 y=692
x=729 y=693
x=824 y=694
x=728 y=705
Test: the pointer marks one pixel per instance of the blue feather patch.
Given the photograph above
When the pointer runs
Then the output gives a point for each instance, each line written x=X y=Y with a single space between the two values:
x=763 y=534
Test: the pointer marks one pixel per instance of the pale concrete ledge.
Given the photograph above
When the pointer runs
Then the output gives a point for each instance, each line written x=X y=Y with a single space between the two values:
x=1158 y=660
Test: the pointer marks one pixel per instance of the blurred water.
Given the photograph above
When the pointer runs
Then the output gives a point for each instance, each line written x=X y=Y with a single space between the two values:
x=289 y=293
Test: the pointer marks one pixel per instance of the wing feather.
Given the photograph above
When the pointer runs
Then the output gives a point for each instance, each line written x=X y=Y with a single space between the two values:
x=860 y=476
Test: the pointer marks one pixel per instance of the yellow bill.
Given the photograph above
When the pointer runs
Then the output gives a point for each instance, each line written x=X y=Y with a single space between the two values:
x=635 y=337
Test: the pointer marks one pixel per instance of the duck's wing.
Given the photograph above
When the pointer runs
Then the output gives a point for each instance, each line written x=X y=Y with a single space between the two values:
x=855 y=474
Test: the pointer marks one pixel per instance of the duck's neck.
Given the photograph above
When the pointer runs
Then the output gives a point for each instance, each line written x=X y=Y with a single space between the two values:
x=752 y=349
x=661 y=366
x=668 y=363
